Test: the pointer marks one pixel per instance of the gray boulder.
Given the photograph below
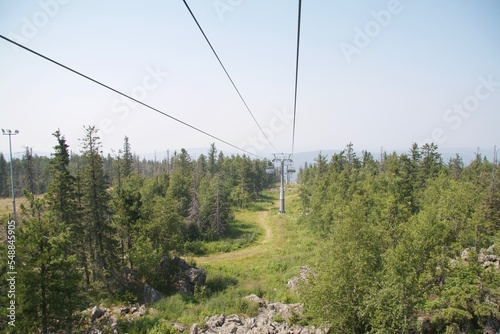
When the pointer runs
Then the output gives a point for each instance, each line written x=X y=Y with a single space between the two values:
x=151 y=295
x=196 y=276
x=96 y=313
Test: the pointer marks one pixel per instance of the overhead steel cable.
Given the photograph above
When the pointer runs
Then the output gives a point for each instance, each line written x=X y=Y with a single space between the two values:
x=129 y=97
x=296 y=76
x=227 y=73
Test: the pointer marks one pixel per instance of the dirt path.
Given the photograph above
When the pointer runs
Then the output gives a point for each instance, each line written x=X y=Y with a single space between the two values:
x=260 y=247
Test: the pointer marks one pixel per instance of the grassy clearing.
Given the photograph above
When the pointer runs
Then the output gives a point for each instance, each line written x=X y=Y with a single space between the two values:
x=263 y=268
x=6 y=213
x=6 y=205
x=241 y=233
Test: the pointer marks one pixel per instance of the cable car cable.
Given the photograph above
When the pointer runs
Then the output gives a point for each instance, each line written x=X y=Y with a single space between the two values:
x=128 y=96
x=296 y=76
x=224 y=68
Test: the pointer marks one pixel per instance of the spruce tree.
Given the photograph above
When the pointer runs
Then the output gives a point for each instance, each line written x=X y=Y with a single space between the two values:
x=220 y=211
x=4 y=174
x=62 y=200
x=49 y=291
x=127 y=158
x=28 y=171
x=212 y=160
x=127 y=203
x=96 y=208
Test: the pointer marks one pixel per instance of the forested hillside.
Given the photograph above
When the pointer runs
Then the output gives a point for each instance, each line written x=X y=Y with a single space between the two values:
x=407 y=243
x=410 y=242
x=106 y=225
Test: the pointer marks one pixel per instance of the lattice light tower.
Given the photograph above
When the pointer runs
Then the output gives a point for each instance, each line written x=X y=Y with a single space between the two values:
x=285 y=160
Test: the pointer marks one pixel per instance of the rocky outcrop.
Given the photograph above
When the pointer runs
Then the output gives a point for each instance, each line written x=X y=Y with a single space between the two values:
x=196 y=276
x=486 y=258
x=96 y=319
x=184 y=277
x=150 y=295
x=304 y=273
x=273 y=318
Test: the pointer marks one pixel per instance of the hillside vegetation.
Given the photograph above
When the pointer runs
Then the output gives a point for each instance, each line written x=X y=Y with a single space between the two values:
x=407 y=244
x=410 y=244
x=105 y=227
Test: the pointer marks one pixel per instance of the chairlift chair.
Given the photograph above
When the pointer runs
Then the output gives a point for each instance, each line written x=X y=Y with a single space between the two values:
x=270 y=170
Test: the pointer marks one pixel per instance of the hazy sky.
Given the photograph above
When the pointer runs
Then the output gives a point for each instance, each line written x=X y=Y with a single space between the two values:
x=374 y=73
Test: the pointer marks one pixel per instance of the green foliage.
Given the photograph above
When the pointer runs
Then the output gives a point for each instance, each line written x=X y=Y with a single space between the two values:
x=278 y=318
x=350 y=263
x=49 y=280
x=127 y=205
x=162 y=328
x=391 y=229
x=469 y=297
x=4 y=174
x=147 y=258
x=98 y=231
x=106 y=224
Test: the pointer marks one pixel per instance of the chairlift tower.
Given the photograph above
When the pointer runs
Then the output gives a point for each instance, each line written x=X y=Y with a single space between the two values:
x=284 y=159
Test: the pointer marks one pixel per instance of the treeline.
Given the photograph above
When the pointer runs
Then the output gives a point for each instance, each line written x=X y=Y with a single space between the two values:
x=32 y=171
x=407 y=242
x=102 y=226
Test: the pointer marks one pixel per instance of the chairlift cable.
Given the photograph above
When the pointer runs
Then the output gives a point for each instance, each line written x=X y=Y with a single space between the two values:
x=129 y=97
x=296 y=75
x=227 y=74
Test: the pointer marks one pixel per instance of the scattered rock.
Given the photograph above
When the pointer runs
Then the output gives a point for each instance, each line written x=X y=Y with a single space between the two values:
x=264 y=322
x=488 y=259
x=180 y=327
x=98 y=320
x=465 y=254
x=113 y=323
x=256 y=299
x=183 y=287
x=151 y=295
x=96 y=313
x=194 y=328
x=196 y=276
x=184 y=277
x=304 y=273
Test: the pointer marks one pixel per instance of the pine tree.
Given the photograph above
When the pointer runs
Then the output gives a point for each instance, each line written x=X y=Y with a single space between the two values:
x=96 y=208
x=212 y=160
x=220 y=211
x=62 y=200
x=127 y=203
x=195 y=224
x=49 y=291
x=4 y=174
x=180 y=182
x=28 y=171
x=215 y=209
x=62 y=196
x=127 y=158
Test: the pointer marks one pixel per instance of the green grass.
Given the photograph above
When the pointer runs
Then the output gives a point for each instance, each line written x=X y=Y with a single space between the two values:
x=241 y=233
x=263 y=268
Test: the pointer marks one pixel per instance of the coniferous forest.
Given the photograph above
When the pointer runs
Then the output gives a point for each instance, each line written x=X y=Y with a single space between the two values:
x=410 y=242
x=407 y=243
x=102 y=220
